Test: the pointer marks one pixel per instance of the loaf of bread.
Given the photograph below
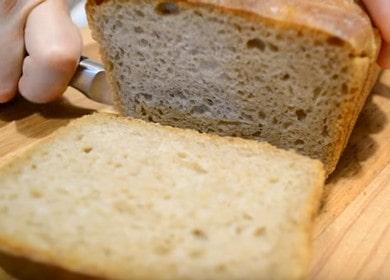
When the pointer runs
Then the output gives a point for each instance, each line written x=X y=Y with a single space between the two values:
x=124 y=199
x=294 y=73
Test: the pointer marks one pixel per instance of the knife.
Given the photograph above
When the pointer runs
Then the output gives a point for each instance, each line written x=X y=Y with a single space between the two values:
x=90 y=79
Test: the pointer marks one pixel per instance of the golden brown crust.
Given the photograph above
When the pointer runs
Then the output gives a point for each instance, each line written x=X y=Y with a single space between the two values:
x=20 y=249
x=369 y=75
x=342 y=20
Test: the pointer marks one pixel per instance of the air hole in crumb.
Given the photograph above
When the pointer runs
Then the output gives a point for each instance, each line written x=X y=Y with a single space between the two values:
x=169 y=70
x=182 y=155
x=196 y=254
x=274 y=120
x=118 y=24
x=35 y=193
x=220 y=268
x=239 y=29
x=163 y=249
x=147 y=96
x=363 y=54
x=139 y=13
x=325 y=132
x=273 y=47
x=247 y=117
x=138 y=29
x=232 y=49
x=299 y=142
x=256 y=43
x=335 y=41
x=210 y=102
x=273 y=180
x=143 y=43
x=87 y=150
x=198 y=13
x=143 y=111
x=354 y=90
x=80 y=137
x=285 y=77
x=301 y=114
x=167 y=8
x=316 y=92
x=259 y=232
x=107 y=251
x=33 y=166
x=344 y=88
x=261 y=115
x=200 y=109
x=246 y=216
x=200 y=234
x=287 y=125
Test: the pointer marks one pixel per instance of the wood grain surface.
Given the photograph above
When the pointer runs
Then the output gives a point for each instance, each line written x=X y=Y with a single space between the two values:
x=351 y=237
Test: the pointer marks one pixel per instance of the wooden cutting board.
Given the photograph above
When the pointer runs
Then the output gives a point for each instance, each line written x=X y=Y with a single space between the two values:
x=352 y=231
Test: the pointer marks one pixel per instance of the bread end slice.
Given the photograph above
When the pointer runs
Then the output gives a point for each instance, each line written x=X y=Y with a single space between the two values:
x=125 y=199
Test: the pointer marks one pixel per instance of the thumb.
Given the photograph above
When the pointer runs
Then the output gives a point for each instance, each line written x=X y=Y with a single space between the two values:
x=380 y=13
x=13 y=15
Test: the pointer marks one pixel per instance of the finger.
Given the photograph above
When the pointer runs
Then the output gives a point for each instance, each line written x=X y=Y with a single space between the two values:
x=384 y=56
x=54 y=47
x=13 y=16
x=11 y=58
x=380 y=13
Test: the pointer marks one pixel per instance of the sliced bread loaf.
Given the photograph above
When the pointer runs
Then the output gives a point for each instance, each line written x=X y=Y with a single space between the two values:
x=124 y=199
x=294 y=73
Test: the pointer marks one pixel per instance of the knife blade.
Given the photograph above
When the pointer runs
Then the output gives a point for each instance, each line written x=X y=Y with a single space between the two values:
x=90 y=79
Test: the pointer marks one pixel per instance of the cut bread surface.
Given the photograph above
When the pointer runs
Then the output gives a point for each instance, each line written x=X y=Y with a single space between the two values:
x=125 y=199
x=225 y=68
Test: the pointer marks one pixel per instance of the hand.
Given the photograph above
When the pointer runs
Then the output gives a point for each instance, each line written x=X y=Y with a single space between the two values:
x=380 y=13
x=39 y=49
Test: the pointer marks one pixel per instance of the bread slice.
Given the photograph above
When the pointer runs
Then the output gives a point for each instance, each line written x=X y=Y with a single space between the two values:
x=293 y=73
x=124 y=199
